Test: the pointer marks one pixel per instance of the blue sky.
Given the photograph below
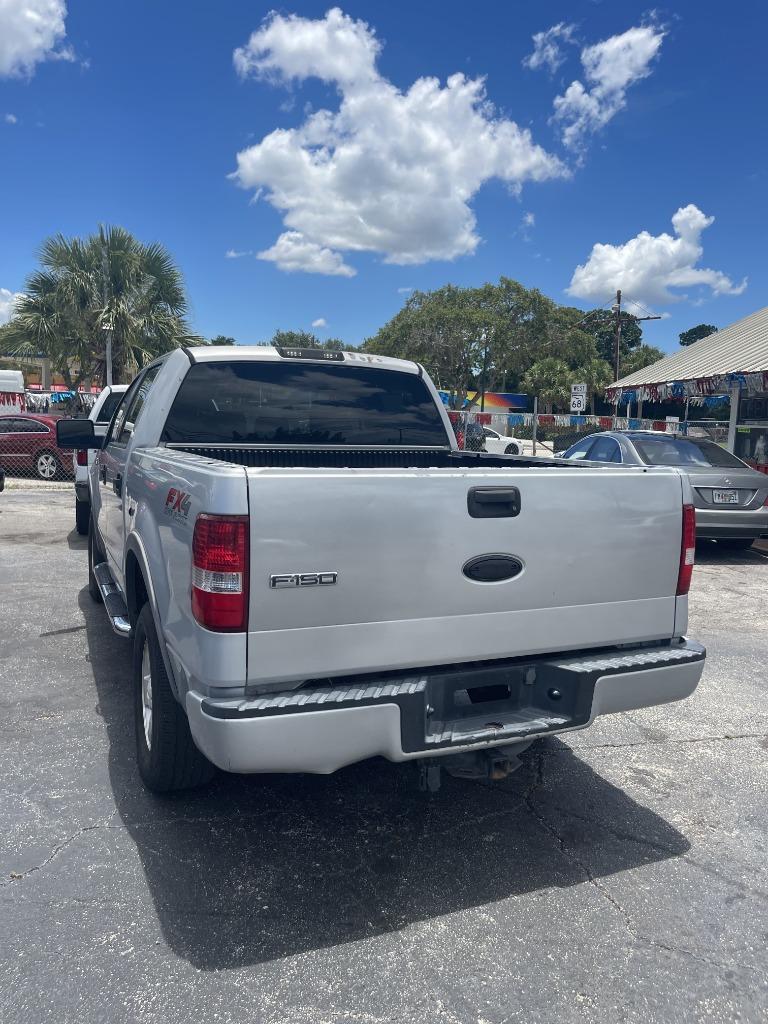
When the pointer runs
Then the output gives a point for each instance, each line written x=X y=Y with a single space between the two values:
x=134 y=113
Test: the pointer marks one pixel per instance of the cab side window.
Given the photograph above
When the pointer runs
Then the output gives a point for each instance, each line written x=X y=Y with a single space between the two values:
x=128 y=414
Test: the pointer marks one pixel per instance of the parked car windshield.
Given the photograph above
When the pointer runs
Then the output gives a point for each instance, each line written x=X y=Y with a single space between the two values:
x=681 y=451
x=261 y=402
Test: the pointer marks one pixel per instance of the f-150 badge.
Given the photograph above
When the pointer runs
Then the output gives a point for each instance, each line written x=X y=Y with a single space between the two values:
x=280 y=580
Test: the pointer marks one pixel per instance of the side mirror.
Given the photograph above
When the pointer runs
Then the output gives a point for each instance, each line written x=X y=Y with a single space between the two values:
x=77 y=434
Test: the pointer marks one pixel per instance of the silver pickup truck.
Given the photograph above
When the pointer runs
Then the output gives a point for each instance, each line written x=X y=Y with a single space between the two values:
x=311 y=573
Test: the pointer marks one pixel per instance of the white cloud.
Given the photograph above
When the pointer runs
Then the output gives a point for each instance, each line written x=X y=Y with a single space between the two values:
x=292 y=251
x=547 y=51
x=8 y=300
x=648 y=266
x=30 y=31
x=529 y=220
x=236 y=254
x=11 y=119
x=404 y=291
x=610 y=68
x=320 y=322
x=389 y=172
x=335 y=48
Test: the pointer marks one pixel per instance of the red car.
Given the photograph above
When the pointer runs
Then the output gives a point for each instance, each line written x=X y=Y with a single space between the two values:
x=28 y=441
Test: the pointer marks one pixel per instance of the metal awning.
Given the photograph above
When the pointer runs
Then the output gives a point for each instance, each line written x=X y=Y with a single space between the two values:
x=715 y=362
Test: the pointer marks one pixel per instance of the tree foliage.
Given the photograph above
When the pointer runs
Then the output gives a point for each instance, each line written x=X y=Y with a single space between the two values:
x=601 y=324
x=305 y=339
x=642 y=356
x=86 y=287
x=550 y=379
x=222 y=339
x=488 y=338
x=697 y=333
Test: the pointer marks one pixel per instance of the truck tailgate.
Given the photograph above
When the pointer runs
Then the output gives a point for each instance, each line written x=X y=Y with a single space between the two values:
x=599 y=549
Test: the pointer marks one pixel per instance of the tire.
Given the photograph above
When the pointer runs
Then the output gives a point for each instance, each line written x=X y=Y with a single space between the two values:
x=736 y=543
x=82 y=516
x=512 y=449
x=47 y=466
x=167 y=757
x=93 y=559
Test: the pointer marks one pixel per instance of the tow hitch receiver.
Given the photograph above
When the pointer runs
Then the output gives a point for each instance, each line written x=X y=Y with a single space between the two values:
x=493 y=765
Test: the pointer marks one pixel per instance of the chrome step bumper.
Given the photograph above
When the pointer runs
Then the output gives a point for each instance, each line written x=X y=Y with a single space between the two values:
x=320 y=729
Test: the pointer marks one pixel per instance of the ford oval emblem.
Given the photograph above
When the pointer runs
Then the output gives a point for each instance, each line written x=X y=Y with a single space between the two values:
x=494 y=568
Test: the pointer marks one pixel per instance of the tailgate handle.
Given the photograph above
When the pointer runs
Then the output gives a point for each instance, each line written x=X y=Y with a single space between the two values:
x=493 y=502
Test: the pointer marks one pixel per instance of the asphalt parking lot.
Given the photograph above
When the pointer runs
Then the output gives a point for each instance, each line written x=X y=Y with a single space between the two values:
x=618 y=876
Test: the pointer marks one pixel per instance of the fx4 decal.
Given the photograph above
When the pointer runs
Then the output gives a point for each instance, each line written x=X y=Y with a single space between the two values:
x=177 y=504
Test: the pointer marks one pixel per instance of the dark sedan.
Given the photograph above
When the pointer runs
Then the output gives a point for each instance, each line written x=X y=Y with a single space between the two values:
x=731 y=499
x=28 y=442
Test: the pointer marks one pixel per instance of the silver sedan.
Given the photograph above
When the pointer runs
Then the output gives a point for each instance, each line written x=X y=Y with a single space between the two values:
x=731 y=499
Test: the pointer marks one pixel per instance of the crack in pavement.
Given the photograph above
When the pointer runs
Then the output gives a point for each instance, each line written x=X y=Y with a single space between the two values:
x=18 y=876
x=726 y=738
x=603 y=891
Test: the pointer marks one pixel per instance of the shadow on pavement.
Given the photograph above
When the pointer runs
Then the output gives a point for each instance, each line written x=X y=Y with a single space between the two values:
x=76 y=542
x=709 y=552
x=255 y=868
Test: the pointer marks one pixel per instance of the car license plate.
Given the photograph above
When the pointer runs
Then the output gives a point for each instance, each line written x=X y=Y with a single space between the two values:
x=725 y=497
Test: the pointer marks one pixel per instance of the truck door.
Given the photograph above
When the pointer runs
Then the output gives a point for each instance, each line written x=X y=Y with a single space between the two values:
x=111 y=471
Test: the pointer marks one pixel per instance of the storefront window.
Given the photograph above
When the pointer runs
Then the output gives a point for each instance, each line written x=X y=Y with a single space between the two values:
x=752 y=446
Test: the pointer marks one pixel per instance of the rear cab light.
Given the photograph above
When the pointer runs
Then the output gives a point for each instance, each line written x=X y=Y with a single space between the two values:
x=687 y=550
x=220 y=572
x=82 y=456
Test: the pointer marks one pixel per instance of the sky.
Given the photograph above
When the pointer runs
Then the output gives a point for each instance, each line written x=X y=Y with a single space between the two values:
x=308 y=168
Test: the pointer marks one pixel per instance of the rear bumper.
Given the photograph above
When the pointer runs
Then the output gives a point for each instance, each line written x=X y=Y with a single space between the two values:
x=714 y=523
x=320 y=730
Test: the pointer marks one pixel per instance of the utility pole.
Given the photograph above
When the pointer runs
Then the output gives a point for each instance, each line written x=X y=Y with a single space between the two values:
x=617 y=334
x=485 y=370
x=108 y=326
x=616 y=308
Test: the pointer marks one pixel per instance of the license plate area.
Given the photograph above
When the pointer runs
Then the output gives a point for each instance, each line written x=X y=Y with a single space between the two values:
x=725 y=497
x=503 y=701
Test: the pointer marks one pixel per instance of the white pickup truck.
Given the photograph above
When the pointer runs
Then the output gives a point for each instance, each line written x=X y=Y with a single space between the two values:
x=312 y=574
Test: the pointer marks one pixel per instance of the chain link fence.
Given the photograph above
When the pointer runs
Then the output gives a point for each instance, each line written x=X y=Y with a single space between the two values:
x=28 y=449
x=552 y=433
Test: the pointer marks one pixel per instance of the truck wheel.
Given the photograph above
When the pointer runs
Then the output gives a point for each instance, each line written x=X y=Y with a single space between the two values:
x=82 y=516
x=93 y=559
x=167 y=756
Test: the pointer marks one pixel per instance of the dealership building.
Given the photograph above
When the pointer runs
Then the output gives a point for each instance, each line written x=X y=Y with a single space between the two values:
x=732 y=362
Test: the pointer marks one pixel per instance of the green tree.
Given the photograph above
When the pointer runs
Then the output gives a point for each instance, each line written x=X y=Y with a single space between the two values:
x=222 y=339
x=697 y=333
x=486 y=338
x=550 y=381
x=305 y=339
x=86 y=287
x=643 y=356
x=601 y=324
x=597 y=375
x=443 y=330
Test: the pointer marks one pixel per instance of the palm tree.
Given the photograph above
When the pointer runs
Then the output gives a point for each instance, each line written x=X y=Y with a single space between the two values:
x=87 y=289
x=597 y=375
x=550 y=380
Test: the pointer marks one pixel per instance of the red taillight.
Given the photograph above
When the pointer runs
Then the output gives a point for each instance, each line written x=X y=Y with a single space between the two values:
x=687 y=550
x=82 y=456
x=220 y=572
